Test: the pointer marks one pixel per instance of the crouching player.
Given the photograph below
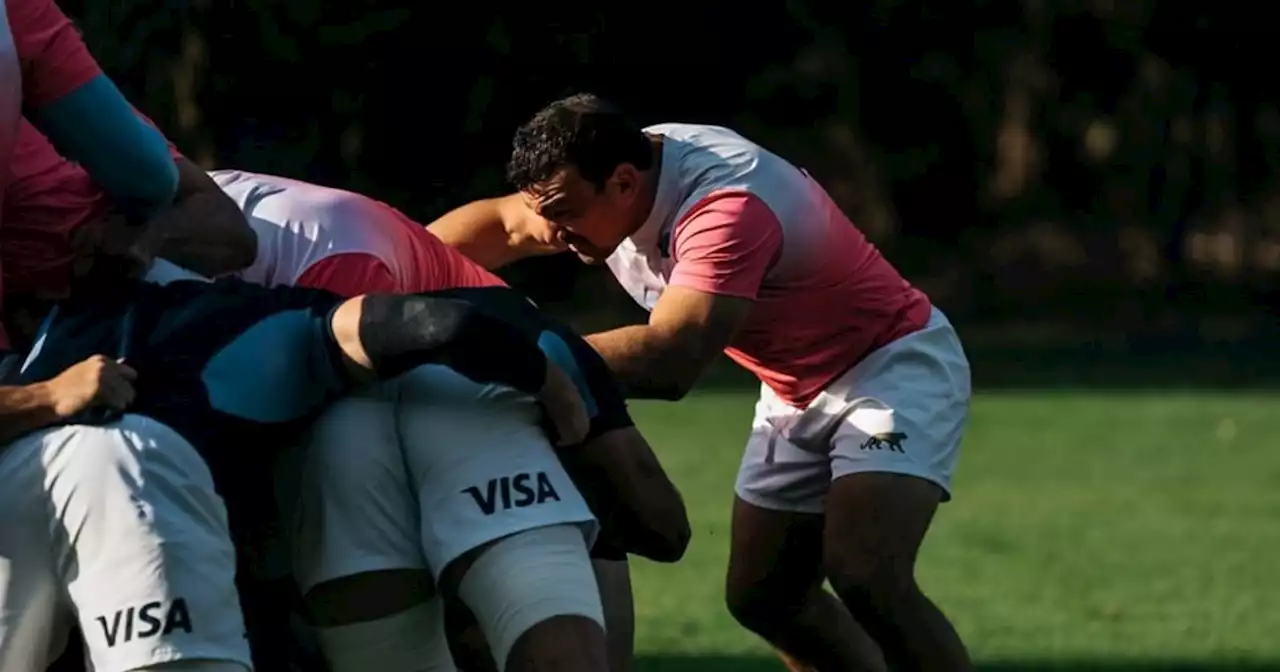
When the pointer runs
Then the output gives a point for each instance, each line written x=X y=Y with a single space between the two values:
x=362 y=542
x=120 y=524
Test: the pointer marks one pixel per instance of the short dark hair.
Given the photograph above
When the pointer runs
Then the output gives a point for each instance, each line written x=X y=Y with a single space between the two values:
x=583 y=131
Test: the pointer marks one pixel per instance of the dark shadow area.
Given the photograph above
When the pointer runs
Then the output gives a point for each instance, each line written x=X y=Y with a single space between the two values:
x=713 y=663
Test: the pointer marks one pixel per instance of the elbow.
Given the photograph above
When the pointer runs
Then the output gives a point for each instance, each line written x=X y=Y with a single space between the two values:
x=673 y=542
x=678 y=391
x=665 y=536
x=674 y=389
x=242 y=247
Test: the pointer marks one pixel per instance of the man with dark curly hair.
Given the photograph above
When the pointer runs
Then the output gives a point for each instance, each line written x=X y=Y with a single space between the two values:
x=865 y=385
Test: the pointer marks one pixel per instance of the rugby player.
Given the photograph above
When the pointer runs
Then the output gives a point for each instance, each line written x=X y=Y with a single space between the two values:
x=54 y=209
x=360 y=515
x=865 y=387
x=119 y=525
x=47 y=72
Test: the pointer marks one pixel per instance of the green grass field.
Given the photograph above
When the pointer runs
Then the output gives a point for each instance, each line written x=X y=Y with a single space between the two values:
x=1111 y=531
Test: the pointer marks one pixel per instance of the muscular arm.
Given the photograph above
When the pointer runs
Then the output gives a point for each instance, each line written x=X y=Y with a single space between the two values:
x=495 y=232
x=641 y=504
x=203 y=230
x=383 y=336
x=617 y=470
x=25 y=408
x=71 y=101
x=723 y=251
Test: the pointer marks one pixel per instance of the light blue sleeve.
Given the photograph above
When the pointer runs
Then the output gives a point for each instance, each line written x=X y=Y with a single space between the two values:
x=96 y=127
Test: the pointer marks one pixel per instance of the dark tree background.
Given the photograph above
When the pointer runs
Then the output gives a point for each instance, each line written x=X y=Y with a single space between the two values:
x=1043 y=167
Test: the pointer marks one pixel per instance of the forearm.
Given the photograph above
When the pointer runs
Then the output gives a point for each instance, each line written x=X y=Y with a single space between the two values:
x=383 y=336
x=24 y=409
x=491 y=232
x=205 y=232
x=644 y=365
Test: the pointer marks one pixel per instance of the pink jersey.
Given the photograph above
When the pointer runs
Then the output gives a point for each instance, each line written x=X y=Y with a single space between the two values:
x=48 y=198
x=731 y=218
x=10 y=88
x=313 y=236
x=42 y=58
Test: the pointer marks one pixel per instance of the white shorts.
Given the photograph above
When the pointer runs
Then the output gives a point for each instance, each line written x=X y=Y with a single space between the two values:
x=414 y=473
x=901 y=410
x=119 y=528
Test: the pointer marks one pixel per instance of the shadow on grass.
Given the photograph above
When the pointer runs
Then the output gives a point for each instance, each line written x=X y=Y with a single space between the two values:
x=714 y=663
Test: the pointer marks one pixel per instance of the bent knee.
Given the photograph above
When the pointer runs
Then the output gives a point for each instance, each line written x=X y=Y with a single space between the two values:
x=865 y=577
x=762 y=607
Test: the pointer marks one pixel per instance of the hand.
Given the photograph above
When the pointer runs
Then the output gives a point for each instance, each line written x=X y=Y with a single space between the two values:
x=112 y=244
x=96 y=382
x=564 y=407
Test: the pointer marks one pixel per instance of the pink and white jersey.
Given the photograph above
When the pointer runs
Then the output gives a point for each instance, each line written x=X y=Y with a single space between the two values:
x=349 y=244
x=731 y=218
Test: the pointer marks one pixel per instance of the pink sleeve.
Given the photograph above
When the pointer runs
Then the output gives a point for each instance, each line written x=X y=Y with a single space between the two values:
x=350 y=274
x=55 y=61
x=725 y=245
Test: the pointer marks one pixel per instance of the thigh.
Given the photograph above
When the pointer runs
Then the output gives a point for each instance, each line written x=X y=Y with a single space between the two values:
x=33 y=619
x=142 y=545
x=356 y=511
x=482 y=472
x=775 y=556
x=874 y=527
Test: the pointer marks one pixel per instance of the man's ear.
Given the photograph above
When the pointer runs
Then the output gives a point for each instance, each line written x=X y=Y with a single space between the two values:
x=625 y=180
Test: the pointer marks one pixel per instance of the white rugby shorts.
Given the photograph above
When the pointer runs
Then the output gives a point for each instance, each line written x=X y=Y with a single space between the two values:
x=413 y=473
x=901 y=410
x=117 y=527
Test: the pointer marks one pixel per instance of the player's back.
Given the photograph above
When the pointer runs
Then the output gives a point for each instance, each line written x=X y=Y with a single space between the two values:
x=222 y=363
x=315 y=236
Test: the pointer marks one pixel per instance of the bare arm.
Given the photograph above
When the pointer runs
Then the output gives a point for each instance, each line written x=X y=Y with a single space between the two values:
x=648 y=512
x=204 y=230
x=383 y=336
x=495 y=232
x=25 y=409
x=723 y=252
x=95 y=382
x=664 y=358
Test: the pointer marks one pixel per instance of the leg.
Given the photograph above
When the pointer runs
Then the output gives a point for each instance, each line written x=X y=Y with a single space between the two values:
x=875 y=524
x=355 y=545
x=487 y=479
x=774 y=585
x=892 y=455
x=613 y=576
x=614 y=580
x=143 y=549
x=33 y=619
x=774 y=589
x=534 y=598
